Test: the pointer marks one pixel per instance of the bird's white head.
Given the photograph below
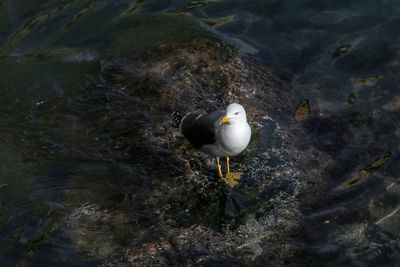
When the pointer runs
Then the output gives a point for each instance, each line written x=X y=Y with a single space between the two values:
x=234 y=113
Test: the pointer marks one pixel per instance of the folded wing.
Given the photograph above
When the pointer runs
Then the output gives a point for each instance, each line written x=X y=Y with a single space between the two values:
x=199 y=127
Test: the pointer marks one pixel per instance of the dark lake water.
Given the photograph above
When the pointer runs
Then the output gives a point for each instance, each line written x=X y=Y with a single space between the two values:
x=60 y=161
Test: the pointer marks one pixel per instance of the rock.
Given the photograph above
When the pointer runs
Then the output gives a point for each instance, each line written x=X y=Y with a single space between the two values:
x=178 y=213
x=302 y=111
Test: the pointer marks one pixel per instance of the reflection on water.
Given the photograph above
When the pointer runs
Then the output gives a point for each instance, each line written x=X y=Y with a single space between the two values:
x=75 y=185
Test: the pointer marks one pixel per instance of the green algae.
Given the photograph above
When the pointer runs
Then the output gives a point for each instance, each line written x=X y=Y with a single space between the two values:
x=150 y=32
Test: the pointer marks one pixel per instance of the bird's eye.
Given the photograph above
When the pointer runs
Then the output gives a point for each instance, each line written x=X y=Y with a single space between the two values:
x=236 y=113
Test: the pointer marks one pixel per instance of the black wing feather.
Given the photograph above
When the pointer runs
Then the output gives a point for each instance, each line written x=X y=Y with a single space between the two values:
x=199 y=127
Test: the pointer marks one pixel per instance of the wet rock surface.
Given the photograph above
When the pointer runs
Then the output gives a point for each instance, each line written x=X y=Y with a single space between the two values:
x=139 y=195
x=186 y=216
x=114 y=184
x=166 y=206
x=176 y=210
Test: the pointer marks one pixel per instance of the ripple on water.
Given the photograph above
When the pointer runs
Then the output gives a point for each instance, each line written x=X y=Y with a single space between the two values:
x=91 y=173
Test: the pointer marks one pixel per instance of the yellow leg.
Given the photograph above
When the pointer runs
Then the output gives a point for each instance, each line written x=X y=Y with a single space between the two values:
x=231 y=177
x=219 y=169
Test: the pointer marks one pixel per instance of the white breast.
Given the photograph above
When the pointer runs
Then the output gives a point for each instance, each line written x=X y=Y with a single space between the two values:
x=234 y=137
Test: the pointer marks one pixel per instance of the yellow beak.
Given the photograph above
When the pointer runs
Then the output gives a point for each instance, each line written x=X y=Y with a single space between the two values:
x=224 y=120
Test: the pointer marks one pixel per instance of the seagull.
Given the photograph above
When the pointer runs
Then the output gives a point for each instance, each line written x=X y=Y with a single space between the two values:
x=221 y=133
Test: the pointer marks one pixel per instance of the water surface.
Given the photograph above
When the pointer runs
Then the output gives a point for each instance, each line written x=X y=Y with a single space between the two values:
x=68 y=152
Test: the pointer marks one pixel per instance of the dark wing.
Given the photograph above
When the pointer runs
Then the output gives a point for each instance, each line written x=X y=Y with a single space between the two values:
x=198 y=127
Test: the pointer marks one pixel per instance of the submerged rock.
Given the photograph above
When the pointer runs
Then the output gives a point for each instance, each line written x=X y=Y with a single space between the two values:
x=174 y=209
x=302 y=111
x=142 y=196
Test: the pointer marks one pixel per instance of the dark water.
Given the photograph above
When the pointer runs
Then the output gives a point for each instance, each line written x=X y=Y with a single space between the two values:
x=63 y=168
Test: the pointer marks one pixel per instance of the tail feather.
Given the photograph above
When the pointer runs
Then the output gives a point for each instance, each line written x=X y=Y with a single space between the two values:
x=177 y=118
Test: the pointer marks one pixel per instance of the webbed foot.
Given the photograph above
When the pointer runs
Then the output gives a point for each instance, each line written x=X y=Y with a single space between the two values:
x=231 y=178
